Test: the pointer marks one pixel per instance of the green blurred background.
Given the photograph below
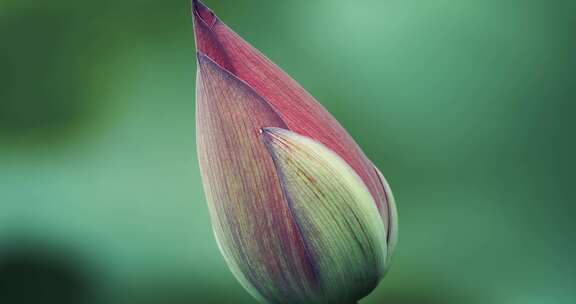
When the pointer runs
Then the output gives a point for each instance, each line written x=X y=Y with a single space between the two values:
x=466 y=106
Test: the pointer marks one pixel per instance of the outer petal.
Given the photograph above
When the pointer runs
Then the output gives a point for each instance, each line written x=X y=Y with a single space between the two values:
x=335 y=212
x=298 y=109
x=253 y=225
x=392 y=233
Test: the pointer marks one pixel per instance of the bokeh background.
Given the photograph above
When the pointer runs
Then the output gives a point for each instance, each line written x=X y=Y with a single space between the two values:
x=466 y=106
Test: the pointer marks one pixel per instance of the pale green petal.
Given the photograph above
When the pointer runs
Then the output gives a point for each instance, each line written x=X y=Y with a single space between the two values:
x=336 y=213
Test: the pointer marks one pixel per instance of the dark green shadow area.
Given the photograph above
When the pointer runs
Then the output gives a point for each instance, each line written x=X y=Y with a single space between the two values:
x=37 y=273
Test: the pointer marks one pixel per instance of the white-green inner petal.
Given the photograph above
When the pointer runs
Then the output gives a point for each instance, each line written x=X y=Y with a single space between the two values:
x=336 y=215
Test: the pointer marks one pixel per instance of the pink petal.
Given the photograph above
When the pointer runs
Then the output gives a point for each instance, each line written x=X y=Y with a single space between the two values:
x=297 y=108
x=252 y=220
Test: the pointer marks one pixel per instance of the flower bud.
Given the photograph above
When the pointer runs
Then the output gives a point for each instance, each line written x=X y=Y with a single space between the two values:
x=299 y=212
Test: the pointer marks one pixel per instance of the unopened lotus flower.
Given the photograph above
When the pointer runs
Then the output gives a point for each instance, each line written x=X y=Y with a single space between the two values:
x=299 y=212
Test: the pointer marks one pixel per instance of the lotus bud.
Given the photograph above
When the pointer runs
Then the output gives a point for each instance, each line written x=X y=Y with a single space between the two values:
x=298 y=211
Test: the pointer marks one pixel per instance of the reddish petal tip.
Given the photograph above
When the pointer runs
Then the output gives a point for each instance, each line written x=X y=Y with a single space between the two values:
x=203 y=13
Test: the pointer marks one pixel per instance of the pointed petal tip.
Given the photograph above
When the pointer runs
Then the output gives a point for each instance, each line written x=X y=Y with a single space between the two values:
x=266 y=136
x=270 y=134
x=201 y=59
x=207 y=64
x=203 y=13
x=268 y=131
x=204 y=61
x=200 y=56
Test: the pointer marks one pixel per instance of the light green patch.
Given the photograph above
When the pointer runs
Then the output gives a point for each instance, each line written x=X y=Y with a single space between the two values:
x=336 y=213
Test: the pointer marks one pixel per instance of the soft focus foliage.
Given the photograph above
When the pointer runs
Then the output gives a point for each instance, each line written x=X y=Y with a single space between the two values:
x=466 y=105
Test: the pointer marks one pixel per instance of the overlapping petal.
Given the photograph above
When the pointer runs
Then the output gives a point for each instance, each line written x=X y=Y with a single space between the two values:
x=254 y=226
x=335 y=212
x=298 y=109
